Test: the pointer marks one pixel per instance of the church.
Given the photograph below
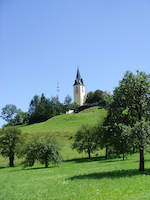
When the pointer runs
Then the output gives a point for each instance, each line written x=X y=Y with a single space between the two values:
x=79 y=90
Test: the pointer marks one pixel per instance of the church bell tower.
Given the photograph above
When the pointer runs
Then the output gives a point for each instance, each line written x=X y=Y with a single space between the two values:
x=79 y=90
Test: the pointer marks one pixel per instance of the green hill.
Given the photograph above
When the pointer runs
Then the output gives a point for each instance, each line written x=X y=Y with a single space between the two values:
x=64 y=126
x=67 y=123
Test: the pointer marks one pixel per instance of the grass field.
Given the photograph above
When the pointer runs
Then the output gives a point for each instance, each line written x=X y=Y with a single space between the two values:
x=82 y=179
x=78 y=177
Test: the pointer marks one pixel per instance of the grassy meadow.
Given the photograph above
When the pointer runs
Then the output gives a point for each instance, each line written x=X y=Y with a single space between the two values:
x=78 y=177
x=67 y=123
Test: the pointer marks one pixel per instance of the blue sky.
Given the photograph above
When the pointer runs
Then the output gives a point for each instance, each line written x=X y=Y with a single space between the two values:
x=42 y=42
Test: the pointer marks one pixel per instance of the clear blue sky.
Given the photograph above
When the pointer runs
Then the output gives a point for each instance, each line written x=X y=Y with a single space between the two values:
x=41 y=42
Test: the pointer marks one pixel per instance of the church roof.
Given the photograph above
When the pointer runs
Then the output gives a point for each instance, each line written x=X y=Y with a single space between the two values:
x=79 y=80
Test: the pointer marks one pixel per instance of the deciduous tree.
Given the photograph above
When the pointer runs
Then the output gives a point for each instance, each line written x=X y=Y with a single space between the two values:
x=131 y=106
x=67 y=100
x=42 y=148
x=8 y=112
x=9 y=139
x=84 y=140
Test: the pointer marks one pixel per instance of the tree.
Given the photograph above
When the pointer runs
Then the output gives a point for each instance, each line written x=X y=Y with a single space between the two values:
x=90 y=97
x=9 y=139
x=8 y=112
x=131 y=106
x=119 y=141
x=98 y=96
x=67 y=100
x=42 y=109
x=33 y=111
x=20 y=118
x=95 y=97
x=43 y=148
x=84 y=140
x=140 y=134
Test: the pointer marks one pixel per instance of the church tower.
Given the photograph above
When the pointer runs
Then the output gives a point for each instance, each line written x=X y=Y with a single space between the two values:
x=79 y=90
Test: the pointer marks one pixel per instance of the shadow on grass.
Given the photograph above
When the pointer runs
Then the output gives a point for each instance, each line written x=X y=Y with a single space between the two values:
x=100 y=158
x=80 y=160
x=3 y=167
x=8 y=167
x=34 y=168
x=113 y=174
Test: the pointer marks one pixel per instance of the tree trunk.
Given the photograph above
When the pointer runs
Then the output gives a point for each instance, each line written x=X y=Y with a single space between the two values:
x=89 y=153
x=141 y=160
x=123 y=156
x=46 y=163
x=106 y=155
x=11 y=160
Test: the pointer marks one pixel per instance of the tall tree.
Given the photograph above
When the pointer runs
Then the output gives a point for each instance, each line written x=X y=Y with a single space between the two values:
x=67 y=103
x=9 y=139
x=33 y=109
x=8 y=112
x=131 y=105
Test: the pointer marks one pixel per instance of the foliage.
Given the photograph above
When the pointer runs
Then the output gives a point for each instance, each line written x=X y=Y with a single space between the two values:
x=41 y=148
x=20 y=118
x=130 y=105
x=42 y=109
x=120 y=140
x=140 y=134
x=9 y=139
x=67 y=100
x=108 y=100
x=8 y=111
x=84 y=140
x=90 y=97
x=33 y=105
x=98 y=96
x=95 y=97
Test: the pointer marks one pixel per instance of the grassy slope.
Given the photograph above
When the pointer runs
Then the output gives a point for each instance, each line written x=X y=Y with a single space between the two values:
x=62 y=126
x=67 y=123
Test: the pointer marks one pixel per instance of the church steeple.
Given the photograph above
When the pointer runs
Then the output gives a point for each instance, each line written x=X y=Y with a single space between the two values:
x=79 y=89
x=79 y=80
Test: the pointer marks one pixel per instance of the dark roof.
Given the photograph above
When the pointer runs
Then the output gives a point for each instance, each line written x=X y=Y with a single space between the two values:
x=79 y=80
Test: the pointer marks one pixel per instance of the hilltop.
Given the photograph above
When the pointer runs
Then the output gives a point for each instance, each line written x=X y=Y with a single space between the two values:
x=67 y=123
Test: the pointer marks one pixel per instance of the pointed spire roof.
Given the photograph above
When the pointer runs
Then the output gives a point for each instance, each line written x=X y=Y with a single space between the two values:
x=78 y=74
x=79 y=80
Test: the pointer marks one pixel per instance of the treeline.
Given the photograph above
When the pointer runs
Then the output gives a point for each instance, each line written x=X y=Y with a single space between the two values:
x=40 y=110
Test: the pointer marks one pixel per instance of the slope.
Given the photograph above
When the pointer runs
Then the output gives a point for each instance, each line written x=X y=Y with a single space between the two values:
x=67 y=123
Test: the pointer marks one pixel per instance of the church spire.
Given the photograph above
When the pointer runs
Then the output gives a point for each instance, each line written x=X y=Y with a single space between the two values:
x=78 y=74
x=79 y=80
